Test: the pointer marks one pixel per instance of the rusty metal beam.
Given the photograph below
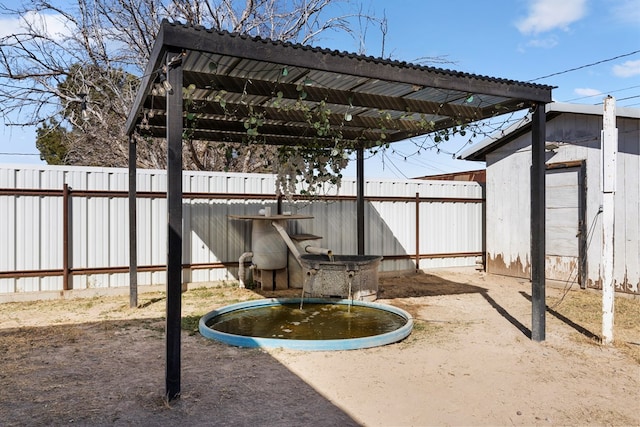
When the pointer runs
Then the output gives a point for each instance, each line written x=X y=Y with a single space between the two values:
x=133 y=234
x=66 y=227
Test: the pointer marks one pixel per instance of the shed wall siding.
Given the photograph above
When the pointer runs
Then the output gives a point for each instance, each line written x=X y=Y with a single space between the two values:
x=563 y=239
x=508 y=211
x=627 y=274
x=578 y=137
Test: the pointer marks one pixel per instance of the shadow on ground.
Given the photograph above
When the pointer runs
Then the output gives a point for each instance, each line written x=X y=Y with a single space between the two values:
x=112 y=373
x=579 y=328
x=422 y=284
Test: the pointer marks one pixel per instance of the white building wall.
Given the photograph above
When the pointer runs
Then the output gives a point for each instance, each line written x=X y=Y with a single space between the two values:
x=628 y=206
x=508 y=209
x=508 y=198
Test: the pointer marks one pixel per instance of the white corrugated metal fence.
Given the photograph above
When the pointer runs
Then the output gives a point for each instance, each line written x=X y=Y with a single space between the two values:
x=32 y=225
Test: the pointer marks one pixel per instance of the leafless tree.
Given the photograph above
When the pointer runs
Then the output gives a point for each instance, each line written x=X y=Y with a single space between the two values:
x=77 y=63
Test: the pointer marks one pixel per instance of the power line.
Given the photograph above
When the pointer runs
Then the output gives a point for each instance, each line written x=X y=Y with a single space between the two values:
x=398 y=170
x=622 y=99
x=586 y=66
x=602 y=93
x=417 y=160
x=628 y=97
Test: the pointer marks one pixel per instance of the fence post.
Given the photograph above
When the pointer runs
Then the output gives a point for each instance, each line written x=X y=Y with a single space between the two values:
x=133 y=227
x=417 y=232
x=66 y=220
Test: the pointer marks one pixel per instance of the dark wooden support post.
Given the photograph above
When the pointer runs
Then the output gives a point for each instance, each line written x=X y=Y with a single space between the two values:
x=484 y=227
x=174 y=219
x=360 y=199
x=538 y=303
x=66 y=227
x=417 y=232
x=133 y=244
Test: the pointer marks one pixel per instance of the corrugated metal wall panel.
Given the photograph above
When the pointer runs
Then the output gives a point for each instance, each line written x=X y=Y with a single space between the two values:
x=119 y=249
x=508 y=199
x=51 y=232
x=8 y=233
x=28 y=233
x=79 y=226
x=628 y=206
x=100 y=225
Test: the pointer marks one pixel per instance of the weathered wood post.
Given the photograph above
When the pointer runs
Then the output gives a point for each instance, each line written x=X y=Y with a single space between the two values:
x=608 y=151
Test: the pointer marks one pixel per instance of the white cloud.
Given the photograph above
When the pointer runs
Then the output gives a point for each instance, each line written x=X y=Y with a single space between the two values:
x=53 y=25
x=545 y=43
x=626 y=11
x=627 y=69
x=547 y=15
x=9 y=26
x=587 y=92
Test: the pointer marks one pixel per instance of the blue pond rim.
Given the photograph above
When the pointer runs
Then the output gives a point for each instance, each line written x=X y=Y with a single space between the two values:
x=303 y=344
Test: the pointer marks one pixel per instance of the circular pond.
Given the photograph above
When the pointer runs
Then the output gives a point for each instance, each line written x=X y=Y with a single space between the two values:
x=316 y=324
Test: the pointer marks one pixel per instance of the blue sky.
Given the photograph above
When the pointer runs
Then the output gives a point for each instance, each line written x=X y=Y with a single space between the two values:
x=519 y=40
x=514 y=39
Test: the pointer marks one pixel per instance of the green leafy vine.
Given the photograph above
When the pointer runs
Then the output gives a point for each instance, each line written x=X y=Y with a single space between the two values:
x=324 y=152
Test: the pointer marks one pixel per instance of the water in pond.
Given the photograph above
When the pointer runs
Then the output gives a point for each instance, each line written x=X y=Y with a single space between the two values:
x=314 y=322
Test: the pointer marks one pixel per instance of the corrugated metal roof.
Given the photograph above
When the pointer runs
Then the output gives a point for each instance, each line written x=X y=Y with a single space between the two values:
x=237 y=75
x=478 y=151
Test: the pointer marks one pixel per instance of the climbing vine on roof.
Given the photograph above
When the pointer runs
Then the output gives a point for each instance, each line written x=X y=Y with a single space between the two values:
x=318 y=161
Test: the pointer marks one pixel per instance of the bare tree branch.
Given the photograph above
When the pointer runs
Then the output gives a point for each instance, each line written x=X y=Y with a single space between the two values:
x=76 y=65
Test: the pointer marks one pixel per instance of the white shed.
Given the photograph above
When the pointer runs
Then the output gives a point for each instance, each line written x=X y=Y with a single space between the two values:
x=573 y=197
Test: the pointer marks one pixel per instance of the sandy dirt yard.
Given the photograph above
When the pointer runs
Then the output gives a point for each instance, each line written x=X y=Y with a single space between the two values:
x=469 y=361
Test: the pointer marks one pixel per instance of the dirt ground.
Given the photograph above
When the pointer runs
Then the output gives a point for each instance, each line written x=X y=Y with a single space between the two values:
x=469 y=361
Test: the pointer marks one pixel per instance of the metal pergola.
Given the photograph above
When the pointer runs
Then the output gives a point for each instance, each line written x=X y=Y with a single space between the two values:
x=383 y=99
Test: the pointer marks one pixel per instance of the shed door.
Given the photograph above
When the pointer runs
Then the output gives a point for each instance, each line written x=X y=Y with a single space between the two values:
x=563 y=224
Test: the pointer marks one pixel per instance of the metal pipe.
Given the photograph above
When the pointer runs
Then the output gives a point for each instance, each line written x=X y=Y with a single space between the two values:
x=241 y=260
x=287 y=239
x=292 y=246
x=318 y=251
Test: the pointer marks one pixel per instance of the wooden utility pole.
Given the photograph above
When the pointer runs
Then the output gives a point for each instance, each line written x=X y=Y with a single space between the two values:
x=609 y=151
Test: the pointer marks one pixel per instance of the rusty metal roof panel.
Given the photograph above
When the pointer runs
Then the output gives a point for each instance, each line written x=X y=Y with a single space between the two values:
x=229 y=76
